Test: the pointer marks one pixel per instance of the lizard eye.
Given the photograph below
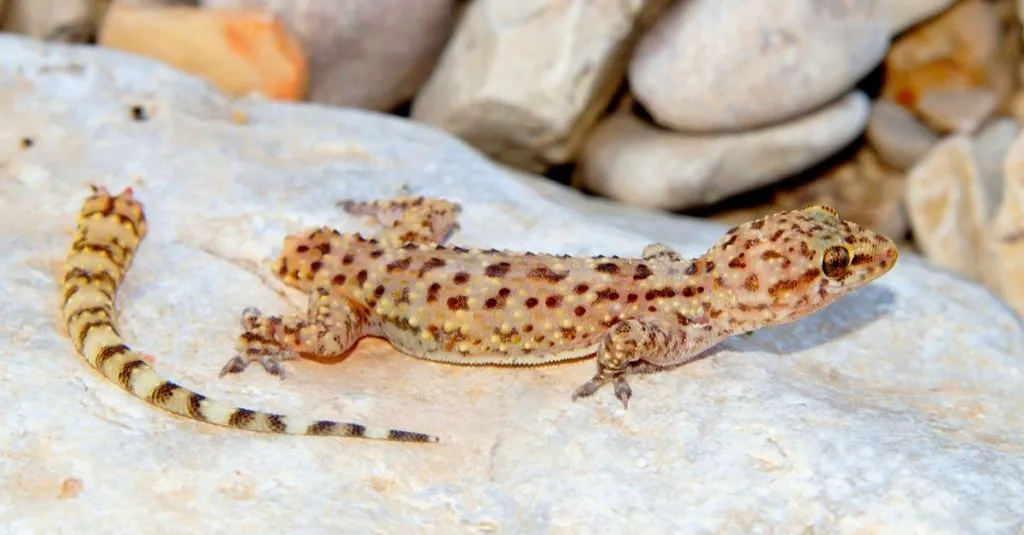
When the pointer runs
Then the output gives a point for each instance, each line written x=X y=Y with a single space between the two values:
x=835 y=262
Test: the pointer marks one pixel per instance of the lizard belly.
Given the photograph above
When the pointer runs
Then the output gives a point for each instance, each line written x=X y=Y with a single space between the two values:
x=482 y=346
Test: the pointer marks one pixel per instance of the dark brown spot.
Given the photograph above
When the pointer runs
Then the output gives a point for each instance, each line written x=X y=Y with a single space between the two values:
x=730 y=241
x=322 y=427
x=276 y=423
x=497 y=270
x=316 y=266
x=460 y=278
x=806 y=250
x=641 y=272
x=139 y=114
x=528 y=328
x=325 y=248
x=607 y=267
x=606 y=294
x=652 y=308
x=631 y=298
x=127 y=369
x=691 y=269
x=504 y=292
x=338 y=280
x=430 y=264
x=361 y=277
x=547 y=274
x=861 y=258
x=302 y=248
x=399 y=265
x=752 y=283
x=459 y=302
x=581 y=289
x=553 y=301
x=376 y=253
x=709 y=267
x=109 y=352
x=738 y=262
x=26 y=142
x=580 y=311
x=491 y=303
x=348 y=259
x=531 y=302
x=432 y=292
x=241 y=418
x=401 y=296
x=163 y=393
x=757 y=225
x=783 y=286
x=747 y=245
x=688 y=291
x=778 y=234
x=569 y=333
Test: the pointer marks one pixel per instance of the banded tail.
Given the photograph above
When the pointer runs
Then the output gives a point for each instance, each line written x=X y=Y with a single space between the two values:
x=110 y=229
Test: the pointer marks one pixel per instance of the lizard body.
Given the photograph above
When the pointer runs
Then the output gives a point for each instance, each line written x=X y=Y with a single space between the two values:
x=468 y=306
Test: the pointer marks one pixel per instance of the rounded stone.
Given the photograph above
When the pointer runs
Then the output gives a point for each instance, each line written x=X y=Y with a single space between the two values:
x=713 y=65
x=639 y=164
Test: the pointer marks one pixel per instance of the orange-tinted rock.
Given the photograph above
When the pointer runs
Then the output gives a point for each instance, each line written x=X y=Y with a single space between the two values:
x=238 y=51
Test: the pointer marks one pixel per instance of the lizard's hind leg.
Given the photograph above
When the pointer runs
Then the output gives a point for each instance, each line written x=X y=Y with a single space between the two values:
x=332 y=326
x=409 y=220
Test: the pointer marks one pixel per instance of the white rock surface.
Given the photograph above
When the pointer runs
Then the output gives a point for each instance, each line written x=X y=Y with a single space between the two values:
x=524 y=81
x=898 y=410
x=631 y=160
x=712 y=65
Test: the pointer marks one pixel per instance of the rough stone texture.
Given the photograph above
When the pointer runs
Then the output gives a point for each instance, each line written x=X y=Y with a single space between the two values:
x=1006 y=237
x=712 y=65
x=905 y=13
x=950 y=201
x=635 y=162
x=898 y=409
x=524 y=81
x=370 y=54
x=900 y=139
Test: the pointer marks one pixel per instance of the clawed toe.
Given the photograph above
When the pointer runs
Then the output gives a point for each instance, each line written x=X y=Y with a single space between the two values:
x=236 y=365
x=622 y=390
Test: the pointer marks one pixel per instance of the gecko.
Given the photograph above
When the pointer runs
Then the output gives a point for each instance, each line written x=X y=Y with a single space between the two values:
x=457 y=305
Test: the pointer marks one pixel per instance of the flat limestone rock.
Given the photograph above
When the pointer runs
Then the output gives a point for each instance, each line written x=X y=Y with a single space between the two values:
x=889 y=411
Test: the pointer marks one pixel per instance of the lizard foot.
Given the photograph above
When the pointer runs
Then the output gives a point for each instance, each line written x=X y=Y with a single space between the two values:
x=621 y=387
x=257 y=344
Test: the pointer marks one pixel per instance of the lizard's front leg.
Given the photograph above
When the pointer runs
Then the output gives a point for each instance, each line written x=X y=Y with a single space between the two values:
x=332 y=326
x=644 y=345
x=627 y=342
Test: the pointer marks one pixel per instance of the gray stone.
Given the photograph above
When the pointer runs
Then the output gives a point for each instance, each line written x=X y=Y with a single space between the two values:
x=897 y=409
x=727 y=65
x=635 y=162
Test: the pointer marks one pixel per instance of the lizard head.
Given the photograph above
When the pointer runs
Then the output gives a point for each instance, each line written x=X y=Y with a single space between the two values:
x=790 y=264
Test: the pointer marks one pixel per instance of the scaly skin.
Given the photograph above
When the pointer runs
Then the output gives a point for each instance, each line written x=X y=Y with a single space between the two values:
x=464 y=306
x=109 y=232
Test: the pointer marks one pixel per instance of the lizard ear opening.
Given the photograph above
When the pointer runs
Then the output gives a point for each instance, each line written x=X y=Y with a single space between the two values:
x=835 y=263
